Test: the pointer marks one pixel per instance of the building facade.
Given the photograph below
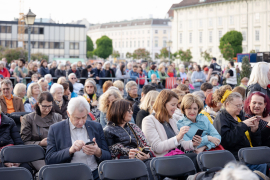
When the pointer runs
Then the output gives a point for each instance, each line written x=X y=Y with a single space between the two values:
x=54 y=40
x=198 y=25
x=127 y=36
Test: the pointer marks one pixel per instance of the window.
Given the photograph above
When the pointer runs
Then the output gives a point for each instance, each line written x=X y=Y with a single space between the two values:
x=142 y=43
x=61 y=45
x=14 y=44
x=164 y=43
x=210 y=22
x=148 y=43
x=180 y=38
x=138 y=43
x=190 y=37
x=119 y=45
x=148 y=31
x=5 y=29
x=257 y=17
x=127 y=44
x=219 y=35
x=134 y=43
x=76 y=45
x=257 y=35
x=51 y=45
x=244 y=19
x=47 y=45
x=231 y=20
x=123 y=44
x=200 y=36
x=73 y=56
x=156 y=43
x=210 y=36
x=200 y=50
x=156 y=31
x=56 y=45
x=73 y=45
x=115 y=44
x=257 y=48
x=244 y=49
x=180 y=24
x=190 y=23
x=244 y=35
x=220 y=21
x=8 y=44
x=210 y=50
x=130 y=43
x=164 y=31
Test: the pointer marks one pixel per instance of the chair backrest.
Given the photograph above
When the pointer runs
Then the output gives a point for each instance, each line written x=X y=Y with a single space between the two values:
x=122 y=169
x=16 y=117
x=22 y=153
x=172 y=166
x=68 y=171
x=15 y=173
x=210 y=159
x=254 y=155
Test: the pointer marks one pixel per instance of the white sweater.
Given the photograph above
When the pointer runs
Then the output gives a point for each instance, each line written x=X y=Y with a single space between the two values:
x=157 y=137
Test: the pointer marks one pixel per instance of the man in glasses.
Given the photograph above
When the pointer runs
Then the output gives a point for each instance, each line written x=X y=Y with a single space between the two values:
x=76 y=86
x=10 y=103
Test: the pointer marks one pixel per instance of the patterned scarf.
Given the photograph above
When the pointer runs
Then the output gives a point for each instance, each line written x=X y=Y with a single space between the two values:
x=32 y=102
x=59 y=103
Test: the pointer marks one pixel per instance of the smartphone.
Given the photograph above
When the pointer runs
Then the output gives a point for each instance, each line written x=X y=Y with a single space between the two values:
x=90 y=143
x=146 y=150
x=199 y=132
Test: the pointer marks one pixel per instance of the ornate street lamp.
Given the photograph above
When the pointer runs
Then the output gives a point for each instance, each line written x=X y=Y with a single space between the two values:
x=169 y=44
x=29 y=19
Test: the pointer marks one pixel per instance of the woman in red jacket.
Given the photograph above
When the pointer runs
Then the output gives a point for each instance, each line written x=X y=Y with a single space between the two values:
x=4 y=70
x=170 y=71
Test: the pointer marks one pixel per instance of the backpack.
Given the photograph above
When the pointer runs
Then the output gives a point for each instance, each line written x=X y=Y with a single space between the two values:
x=206 y=175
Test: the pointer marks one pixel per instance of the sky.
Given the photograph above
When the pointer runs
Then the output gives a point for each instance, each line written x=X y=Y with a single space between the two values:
x=95 y=11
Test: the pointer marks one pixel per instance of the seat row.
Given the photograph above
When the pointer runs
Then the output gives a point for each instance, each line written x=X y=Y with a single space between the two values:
x=172 y=167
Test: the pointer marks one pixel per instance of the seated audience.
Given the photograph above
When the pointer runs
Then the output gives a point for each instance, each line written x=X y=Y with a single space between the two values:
x=74 y=70
x=178 y=115
x=153 y=70
x=61 y=80
x=53 y=68
x=48 y=78
x=191 y=107
x=132 y=90
x=8 y=102
x=155 y=82
x=207 y=88
x=76 y=86
x=43 y=84
x=60 y=101
x=34 y=78
x=258 y=104
x=104 y=102
x=90 y=94
x=33 y=92
x=67 y=139
x=20 y=72
x=107 y=72
x=187 y=83
x=4 y=71
x=9 y=136
x=146 y=106
x=35 y=126
x=161 y=131
x=244 y=83
x=20 y=91
x=235 y=131
x=200 y=95
x=44 y=68
x=72 y=93
x=120 y=85
x=60 y=71
x=107 y=85
x=241 y=91
x=184 y=88
x=211 y=109
x=87 y=72
x=123 y=138
x=214 y=82
x=33 y=71
x=67 y=92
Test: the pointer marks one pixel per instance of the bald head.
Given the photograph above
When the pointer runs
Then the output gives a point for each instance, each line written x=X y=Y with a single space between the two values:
x=153 y=76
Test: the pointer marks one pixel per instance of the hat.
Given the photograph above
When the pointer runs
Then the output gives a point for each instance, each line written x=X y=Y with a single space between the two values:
x=206 y=69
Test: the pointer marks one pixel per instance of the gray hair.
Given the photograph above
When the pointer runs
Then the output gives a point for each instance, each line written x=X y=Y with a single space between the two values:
x=56 y=86
x=60 y=66
x=18 y=88
x=6 y=82
x=232 y=96
x=71 y=74
x=212 y=79
x=79 y=103
x=130 y=84
x=199 y=94
x=259 y=74
x=3 y=63
x=48 y=76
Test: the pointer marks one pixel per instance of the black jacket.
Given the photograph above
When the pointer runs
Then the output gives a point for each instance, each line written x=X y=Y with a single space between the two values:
x=108 y=73
x=59 y=73
x=157 y=86
x=130 y=99
x=232 y=133
x=135 y=109
x=30 y=73
x=256 y=87
x=77 y=72
x=52 y=71
x=141 y=114
x=84 y=73
x=63 y=110
x=43 y=71
x=9 y=133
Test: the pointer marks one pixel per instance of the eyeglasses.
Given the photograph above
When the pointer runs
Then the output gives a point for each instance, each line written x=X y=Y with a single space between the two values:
x=46 y=107
x=5 y=89
x=130 y=110
x=73 y=78
x=238 y=106
x=134 y=89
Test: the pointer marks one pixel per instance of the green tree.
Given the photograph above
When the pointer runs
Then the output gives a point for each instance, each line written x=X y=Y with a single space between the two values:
x=39 y=56
x=128 y=55
x=206 y=56
x=252 y=51
x=13 y=54
x=246 y=68
x=140 y=53
x=89 y=45
x=115 y=54
x=185 y=56
x=164 y=53
x=104 y=47
x=156 y=55
x=227 y=51
x=90 y=54
x=234 y=38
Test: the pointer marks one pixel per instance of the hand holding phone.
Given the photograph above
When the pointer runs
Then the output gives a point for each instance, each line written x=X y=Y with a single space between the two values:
x=198 y=133
x=90 y=143
x=146 y=150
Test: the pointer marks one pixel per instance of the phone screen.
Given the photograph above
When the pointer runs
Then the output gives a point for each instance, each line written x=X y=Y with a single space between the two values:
x=199 y=132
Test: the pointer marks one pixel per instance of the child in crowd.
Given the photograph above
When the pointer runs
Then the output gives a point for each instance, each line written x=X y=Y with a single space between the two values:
x=187 y=83
x=244 y=82
x=178 y=82
x=214 y=82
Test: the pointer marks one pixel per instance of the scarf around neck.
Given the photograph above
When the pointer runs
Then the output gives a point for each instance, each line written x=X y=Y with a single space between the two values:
x=59 y=103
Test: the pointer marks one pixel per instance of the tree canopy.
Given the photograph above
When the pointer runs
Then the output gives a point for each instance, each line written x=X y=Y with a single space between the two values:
x=185 y=56
x=89 y=45
x=234 y=38
x=140 y=53
x=104 y=47
x=227 y=51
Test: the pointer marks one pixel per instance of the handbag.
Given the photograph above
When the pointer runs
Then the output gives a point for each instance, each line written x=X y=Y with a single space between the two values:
x=176 y=151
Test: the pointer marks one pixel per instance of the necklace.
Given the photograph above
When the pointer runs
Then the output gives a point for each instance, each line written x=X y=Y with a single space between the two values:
x=128 y=135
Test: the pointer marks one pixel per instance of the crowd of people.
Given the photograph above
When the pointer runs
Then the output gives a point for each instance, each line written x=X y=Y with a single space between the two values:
x=74 y=123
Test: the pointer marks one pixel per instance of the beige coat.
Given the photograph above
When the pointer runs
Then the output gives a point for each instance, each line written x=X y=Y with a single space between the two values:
x=17 y=104
x=157 y=137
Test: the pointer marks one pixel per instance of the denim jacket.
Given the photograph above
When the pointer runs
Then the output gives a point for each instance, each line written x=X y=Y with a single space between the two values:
x=133 y=75
x=201 y=123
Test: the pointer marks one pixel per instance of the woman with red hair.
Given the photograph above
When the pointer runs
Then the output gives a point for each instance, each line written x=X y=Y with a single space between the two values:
x=258 y=104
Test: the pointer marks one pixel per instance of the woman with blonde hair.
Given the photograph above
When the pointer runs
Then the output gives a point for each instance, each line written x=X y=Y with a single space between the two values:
x=259 y=79
x=20 y=91
x=120 y=85
x=61 y=80
x=33 y=92
x=104 y=102
x=146 y=106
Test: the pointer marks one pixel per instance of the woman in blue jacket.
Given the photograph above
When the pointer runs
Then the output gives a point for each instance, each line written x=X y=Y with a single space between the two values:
x=43 y=68
x=191 y=106
x=153 y=71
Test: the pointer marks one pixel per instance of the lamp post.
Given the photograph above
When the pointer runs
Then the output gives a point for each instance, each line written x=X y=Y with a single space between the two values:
x=29 y=19
x=169 y=44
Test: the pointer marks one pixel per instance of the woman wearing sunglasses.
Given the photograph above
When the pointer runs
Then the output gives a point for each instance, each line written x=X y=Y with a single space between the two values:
x=258 y=104
x=236 y=131
x=35 y=126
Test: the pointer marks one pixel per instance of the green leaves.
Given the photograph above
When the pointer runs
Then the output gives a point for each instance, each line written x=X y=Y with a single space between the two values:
x=185 y=56
x=227 y=51
x=246 y=68
x=104 y=47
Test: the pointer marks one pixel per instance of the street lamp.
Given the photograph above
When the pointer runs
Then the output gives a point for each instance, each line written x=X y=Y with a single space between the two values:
x=29 y=19
x=169 y=44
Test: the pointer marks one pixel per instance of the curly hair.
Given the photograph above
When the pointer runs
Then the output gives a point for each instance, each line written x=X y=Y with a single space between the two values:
x=182 y=87
x=104 y=99
x=218 y=94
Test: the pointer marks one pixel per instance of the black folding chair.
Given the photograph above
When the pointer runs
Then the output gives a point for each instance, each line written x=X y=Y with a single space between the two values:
x=172 y=167
x=211 y=159
x=254 y=155
x=122 y=169
x=16 y=117
x=15 y=173
x=22 y=154
x=68 y=171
